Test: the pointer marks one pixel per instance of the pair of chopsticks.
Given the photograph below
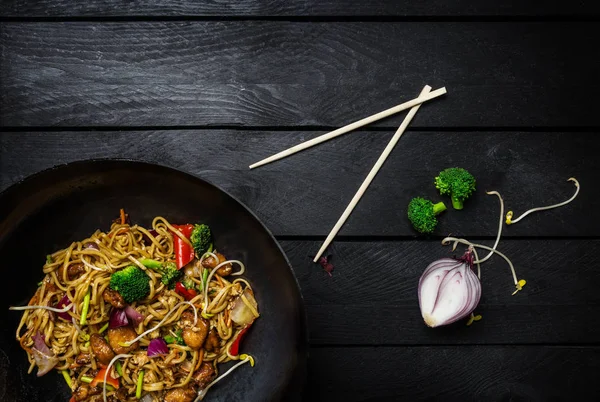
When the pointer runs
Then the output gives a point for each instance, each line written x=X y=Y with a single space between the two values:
x=414 y=106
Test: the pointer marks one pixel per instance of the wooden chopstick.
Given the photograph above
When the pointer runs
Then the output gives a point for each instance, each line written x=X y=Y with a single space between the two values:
x=350 y=127
x=363 y=187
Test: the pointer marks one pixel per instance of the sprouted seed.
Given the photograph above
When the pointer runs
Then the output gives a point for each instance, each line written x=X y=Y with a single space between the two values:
x=509 y=214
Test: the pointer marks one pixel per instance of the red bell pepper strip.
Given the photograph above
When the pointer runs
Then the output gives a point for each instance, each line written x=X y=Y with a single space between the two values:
x=188 y=294
x=234 y=349
x=99 y=379
x=184 y=253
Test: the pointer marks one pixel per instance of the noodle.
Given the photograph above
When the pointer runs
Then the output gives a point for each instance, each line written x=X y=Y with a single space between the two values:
x=200 y=327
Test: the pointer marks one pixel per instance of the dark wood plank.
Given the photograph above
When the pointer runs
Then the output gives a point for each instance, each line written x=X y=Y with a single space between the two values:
x=256 y=8
x=306 y=193
x=372 y=297
x=475 y=373
x=295 y=73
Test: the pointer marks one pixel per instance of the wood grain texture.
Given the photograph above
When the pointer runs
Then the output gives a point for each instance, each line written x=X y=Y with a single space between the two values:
x=261 y=8
x=306 y=193
x=279 y=73
x=372 y=296
x=474 y=373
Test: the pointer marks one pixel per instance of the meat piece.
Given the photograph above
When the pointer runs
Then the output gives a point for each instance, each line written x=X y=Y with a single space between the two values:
x=212 y=341
x=118 y=336
x=194 y=337
x=81 y=393
x=50 y=286
x=84 y=391
x=225 y=270
x=186 y=319
x=101 y=349
x=74 y=271
x=184 y=394
x=210 y=263
x=83 y=358
x=121 y=394
x=204 y=375
x=113 y=298
x=95 y=390
x=139 y=359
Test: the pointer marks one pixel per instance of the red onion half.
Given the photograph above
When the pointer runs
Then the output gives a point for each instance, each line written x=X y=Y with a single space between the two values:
x=157 y=346
x=134 y=315
x=449 y=290
x=64 y=302
x=118 y=318
x=44 y=358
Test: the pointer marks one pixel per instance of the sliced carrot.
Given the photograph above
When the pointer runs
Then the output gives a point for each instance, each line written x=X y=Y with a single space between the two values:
x=219 y=279
x=99 y=379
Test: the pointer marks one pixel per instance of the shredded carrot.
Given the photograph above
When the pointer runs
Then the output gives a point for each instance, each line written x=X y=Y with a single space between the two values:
x=220 y=281
x=227 y=319
x=122 y=216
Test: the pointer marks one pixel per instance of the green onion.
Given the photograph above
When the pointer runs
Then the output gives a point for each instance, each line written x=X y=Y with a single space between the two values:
x=86 y=380
x=204 y=278
x=40 y=283
x=104 y=327
x=138 y=391
x=210 y=248
x=67 y=377
x=49 y=259
x=86 y=307
x=119 y=368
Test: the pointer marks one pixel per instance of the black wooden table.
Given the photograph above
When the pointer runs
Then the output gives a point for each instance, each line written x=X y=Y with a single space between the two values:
x=210 y=87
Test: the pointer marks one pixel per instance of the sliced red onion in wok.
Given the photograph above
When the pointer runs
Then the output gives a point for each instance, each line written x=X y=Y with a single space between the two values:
x=63 y=303
x=240 y=313
x=118 y=318
x=449 y=290
x=147 y=398
x=157 y=346
x=134 y=315
x=42 y=355
x=146 y=239
x=91 y=245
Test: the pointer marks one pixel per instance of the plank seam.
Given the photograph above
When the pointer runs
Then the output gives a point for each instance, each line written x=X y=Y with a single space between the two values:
x=449 y=129
x=311 y=18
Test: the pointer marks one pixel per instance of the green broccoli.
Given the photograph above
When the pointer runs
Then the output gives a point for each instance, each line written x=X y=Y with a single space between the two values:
x=457 y=183
x=175 y=337
x=422 y=214
x=201 y=239
x=131 y=282
x=188 y=283
x=168 y=270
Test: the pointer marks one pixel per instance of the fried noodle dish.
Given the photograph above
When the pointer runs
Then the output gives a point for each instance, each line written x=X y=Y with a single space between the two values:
x=139 y=314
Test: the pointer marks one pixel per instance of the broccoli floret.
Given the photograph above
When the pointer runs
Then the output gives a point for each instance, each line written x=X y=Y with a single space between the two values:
x=201 y=239
x=168 y=270
x=422 y=214
x=131 y=282
x=175 y=337
x=188 y=283
x=457 y=183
